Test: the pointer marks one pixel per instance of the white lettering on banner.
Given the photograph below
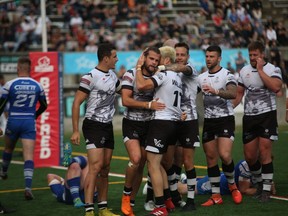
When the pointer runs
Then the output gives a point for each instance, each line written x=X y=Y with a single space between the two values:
x=45 y=82
x=45 y=151
x=45 y=129
x=44 y=65
x=8 y=67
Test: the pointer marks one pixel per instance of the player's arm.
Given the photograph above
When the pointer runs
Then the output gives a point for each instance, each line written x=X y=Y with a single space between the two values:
x=272 y=83
x=143 y=84
x=229 y=93
x=3 y=102
x=129 y=101
x=80 y=96
x=185 y=69
x=43 y=106
x=239 y=96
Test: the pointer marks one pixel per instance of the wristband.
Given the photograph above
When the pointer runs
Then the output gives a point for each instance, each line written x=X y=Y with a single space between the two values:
x=162 y=67
x=149 y=105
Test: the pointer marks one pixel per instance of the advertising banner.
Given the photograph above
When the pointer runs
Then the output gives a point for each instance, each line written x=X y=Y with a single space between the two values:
x=50 y=124
x=83 y=62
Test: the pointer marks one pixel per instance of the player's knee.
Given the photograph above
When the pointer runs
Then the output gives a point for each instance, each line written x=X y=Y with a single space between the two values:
x=74 y=166
x=133 y=165
x=105 y=171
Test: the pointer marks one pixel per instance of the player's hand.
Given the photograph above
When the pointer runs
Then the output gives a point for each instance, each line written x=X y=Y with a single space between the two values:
x=75 y=138
x=141 y=60
x=1 y=132
x=260 y=63
x=183 y=116
x=156 y=105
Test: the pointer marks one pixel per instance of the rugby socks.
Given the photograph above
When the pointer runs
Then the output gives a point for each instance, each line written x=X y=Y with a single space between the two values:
x=267 y=176
x=7 y=157
x=102 y=205
x=159 y=202
x=28 y=173
x=150 y=192
x=172 y=182
x=191 y=184
x=256 y=171
x=214 y=178
x=177 y=171
x=89 y=207
x=132 y=203
x=127 y=191
x=228 y=171
x=74 y=184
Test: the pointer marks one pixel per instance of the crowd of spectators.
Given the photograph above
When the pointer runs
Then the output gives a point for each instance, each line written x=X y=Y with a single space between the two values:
x=86 y=23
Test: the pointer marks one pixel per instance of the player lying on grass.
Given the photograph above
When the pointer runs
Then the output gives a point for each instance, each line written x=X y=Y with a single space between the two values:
x=71 y=189
x=243 y=179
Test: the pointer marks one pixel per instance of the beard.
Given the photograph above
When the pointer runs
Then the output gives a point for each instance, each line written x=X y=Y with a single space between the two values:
x=149 y=69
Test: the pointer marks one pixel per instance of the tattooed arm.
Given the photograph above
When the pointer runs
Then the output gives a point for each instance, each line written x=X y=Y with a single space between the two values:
x=185 y=69
x=229 y=93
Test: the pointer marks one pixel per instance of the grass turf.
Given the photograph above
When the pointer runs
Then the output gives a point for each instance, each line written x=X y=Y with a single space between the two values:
x=12 y=194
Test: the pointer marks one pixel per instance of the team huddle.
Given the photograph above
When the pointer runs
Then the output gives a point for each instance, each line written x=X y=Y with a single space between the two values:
x=160 y=129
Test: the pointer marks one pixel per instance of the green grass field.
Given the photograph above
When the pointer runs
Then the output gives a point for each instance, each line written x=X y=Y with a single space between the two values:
x=11 y=190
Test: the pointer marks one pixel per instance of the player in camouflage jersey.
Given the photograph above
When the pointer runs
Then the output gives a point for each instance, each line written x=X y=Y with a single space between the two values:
x=260 y=81
x=135 y=125
x=219 y=87
x=98 y=87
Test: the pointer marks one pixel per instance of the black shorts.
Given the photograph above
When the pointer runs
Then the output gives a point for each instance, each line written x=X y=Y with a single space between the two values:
x=161 y=133
x=188 y=134
x=218 y=127
x=135 y=130
x=98 y=134
x=264 y=125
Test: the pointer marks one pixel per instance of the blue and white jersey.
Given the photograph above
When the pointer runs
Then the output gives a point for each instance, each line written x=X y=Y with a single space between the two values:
x=214 y=105
x=258 y=98
x=168 y=87
x=188 y=100
x=137 y=114
x=23 y=93
x=101 y=87
x=242 y=172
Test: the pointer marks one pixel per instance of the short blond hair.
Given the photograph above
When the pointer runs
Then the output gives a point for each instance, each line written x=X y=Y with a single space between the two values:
x=167 y=51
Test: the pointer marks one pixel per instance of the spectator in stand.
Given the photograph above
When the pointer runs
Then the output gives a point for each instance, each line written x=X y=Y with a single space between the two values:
x=37 y=38
x=247 y=4
x=5 y=24
x=240 y=61
x=218 y=21
x=271 y=34
x=240 y=10
x=256 y=7
x=123 y=10
x=205 y=7
x=75 y=21
x=26 y=28
x=281 y=33
x=233 y=20
x=91 y=47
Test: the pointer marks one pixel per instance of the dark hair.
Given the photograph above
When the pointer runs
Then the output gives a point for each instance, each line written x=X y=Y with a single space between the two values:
x=104 y=49
x=256 y=45
x=153 y=49
x=214 y=48
x=182 y=44
x=24 y=60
